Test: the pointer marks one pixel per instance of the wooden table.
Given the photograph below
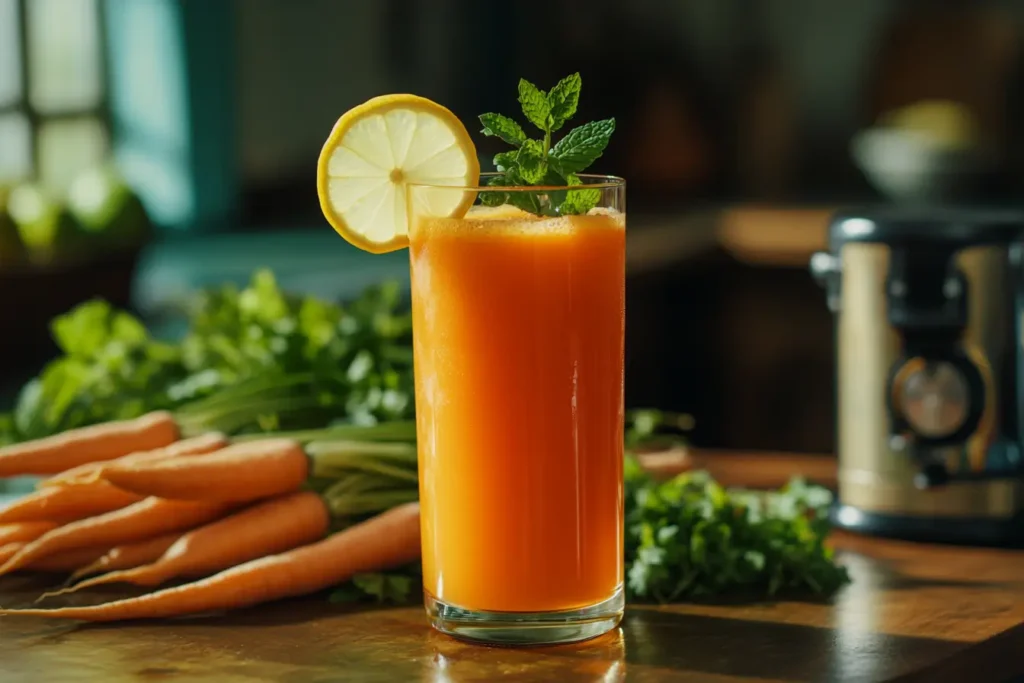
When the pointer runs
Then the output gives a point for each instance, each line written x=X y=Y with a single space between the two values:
x=913 y=613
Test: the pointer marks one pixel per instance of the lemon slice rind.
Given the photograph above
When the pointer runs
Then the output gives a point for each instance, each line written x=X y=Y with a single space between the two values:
x=378 y=147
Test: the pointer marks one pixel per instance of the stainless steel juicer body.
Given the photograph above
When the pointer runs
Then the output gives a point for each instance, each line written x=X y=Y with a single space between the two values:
x=927 y=360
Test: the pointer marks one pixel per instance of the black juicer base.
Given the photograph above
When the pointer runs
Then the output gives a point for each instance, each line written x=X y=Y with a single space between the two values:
x=1007 y=532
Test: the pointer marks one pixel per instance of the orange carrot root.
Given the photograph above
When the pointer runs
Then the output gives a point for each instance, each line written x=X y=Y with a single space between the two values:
x=128 y=556
x=24 y=531
x=267 y=528
x=241 y=472
x=66 y=561
x=90 y=472
x=68 y=504
x=142 y=520
x=9 y=550
x=89 y=444
x=387 y=540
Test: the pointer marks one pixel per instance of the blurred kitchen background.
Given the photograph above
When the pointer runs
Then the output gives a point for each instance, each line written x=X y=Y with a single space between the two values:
x=150 y=147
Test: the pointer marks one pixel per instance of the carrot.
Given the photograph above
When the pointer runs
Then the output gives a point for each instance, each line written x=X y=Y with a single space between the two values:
x=387 y=540
x=24 y=531
x=88 y=444
x=65 y=561
x=241 y=472
x=67 y=504
x=90 y=472
x=127 y=556
x=270 y=527
x=145 y=519
x=7 y=551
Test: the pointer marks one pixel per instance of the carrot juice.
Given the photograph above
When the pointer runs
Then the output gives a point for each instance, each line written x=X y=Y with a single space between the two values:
x=519 y=333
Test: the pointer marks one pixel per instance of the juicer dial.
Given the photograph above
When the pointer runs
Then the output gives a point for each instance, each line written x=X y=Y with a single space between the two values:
x=934 y=399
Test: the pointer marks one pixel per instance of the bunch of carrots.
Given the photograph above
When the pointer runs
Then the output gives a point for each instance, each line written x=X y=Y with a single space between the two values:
x=238 y=523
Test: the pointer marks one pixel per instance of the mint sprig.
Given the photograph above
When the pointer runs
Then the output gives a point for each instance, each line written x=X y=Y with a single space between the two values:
x=538 y=162
x=504 y=128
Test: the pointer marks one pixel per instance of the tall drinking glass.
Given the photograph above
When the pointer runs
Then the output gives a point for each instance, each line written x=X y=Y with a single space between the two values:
x=518 y=326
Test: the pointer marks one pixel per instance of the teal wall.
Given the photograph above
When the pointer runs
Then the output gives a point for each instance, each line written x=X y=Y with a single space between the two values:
x=172 y=103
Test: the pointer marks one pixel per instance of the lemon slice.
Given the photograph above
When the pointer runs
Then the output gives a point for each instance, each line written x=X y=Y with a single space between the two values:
x=378 y=147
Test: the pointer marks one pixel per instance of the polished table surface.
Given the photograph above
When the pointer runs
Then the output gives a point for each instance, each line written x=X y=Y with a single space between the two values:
x=912 y=613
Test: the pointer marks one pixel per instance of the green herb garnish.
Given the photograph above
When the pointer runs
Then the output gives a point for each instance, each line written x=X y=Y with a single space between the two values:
x=538 y=162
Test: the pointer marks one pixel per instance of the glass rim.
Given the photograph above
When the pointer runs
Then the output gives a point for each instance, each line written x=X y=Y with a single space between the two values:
x=591 y=181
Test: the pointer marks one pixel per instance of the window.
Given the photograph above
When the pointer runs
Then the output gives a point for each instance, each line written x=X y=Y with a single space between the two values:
x=53 y=101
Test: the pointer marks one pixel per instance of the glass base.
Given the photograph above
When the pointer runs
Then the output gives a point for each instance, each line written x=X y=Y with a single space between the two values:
x=527 y=628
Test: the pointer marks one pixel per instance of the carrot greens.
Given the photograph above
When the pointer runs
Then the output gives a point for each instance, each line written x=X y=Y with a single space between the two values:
x=252 y=360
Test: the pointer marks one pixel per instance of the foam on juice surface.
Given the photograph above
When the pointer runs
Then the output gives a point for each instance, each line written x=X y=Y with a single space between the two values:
x=508 y=220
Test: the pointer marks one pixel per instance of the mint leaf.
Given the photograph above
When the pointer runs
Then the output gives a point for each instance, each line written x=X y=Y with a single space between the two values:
x=495 y=198
x=553 y=178
x=578 y=202
x=527 y=201
x=502 y=127
x=535 y=104
x=563 y=99
x=583 y=145
x=504 y=161
x=564 y=175
x=536 y=162
x=492 y=198
x=533 y=165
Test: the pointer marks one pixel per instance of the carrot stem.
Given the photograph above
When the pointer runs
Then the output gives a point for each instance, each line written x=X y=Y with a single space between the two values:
x=332 y=458
x=246 y=390
x=231 y=419
x=349 y=505
x=398 y=430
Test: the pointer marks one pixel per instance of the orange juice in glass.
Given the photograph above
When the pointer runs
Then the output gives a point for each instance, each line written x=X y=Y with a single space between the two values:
x=518 y=328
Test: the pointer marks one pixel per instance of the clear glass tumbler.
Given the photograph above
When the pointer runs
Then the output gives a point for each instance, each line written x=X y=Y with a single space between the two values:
x=518 y=332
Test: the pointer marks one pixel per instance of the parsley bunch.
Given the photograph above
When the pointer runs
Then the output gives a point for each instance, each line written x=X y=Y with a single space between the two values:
x=538 y=162
x=689 y=537
x=254 y=359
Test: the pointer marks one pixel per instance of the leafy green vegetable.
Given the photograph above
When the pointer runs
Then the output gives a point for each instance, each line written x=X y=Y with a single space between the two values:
x=108 y=370
x=536 y=162
x=656 y=428
x=397 y=587
x=253 y=360
x=690 y=538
